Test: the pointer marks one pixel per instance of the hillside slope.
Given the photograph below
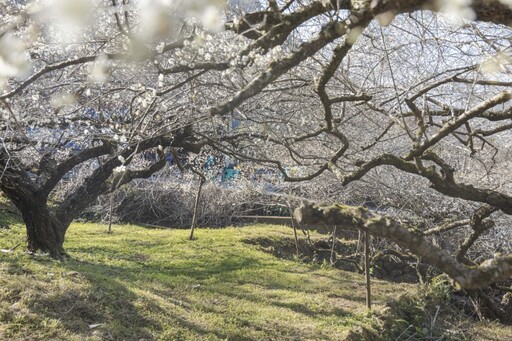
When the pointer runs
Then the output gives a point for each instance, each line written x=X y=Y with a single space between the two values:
x=152 y=284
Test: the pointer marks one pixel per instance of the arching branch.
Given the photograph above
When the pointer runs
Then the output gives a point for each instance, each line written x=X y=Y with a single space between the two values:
x=468 y=277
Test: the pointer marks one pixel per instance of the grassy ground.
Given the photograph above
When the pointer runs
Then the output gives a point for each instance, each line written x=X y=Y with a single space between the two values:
x=156 y=284
x=147 y=284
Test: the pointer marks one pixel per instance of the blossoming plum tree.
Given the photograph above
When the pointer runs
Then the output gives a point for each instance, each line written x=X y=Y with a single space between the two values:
x=340 y=86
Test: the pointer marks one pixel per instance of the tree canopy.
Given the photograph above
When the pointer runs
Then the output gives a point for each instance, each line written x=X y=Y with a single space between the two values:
x=343 y=87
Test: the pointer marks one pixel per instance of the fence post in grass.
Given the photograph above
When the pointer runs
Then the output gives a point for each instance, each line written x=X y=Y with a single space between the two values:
x=294 y=230
x=367 y=269
x=202 y=180
x=333 y=244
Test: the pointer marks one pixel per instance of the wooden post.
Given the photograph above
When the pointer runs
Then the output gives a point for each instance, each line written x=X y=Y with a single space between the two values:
x=333 y=244
x=294 y=230
x=367 y=269
x=196 y=206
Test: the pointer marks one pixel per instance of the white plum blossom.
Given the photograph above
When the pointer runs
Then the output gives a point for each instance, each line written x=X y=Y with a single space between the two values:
x=385 y=18
x=156 y=19
x=211 y=19
x=496 y=63
x=68 y=18
x=99 y=70
x=14 y=61
x=160 y=48
x=161 y=18
x=120 y=169
x=63 y=99
x=456 y=11
x=506 y=2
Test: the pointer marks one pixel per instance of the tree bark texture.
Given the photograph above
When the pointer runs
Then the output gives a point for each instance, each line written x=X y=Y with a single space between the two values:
x=467 y=277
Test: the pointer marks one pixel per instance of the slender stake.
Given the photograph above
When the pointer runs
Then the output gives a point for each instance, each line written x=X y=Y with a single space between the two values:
x=333 y=244
x=294 y=230
x=367 y=269
x=196 y=206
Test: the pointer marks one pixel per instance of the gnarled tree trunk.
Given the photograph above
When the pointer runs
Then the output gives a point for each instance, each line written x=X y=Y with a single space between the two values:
x=45 y=231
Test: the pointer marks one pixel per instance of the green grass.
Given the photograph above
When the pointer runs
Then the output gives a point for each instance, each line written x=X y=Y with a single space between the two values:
x=152 y=284
x=143 y=283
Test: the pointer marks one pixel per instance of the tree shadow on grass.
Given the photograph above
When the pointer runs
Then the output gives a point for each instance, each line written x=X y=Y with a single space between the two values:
x=81 y=297
x=195 y=269
x=304 y=309
x=100 y=293
x=99 y=298
x=246 y=295
x=117 y=306
x=225 y=270
x=89 y=300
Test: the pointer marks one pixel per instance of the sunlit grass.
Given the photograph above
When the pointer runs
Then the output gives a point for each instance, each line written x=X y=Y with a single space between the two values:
x=155 y=284
x=140 y=283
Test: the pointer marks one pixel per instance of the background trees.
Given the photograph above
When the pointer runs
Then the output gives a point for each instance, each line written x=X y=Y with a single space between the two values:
x=362 y=89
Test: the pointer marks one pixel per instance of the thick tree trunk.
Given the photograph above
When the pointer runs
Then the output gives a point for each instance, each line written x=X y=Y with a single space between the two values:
x=45 y=232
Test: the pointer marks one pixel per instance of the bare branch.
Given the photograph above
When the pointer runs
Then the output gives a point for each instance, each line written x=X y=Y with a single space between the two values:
x=490 y=271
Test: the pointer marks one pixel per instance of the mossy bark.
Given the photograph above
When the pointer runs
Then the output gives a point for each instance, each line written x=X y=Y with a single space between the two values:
x=468 y=277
